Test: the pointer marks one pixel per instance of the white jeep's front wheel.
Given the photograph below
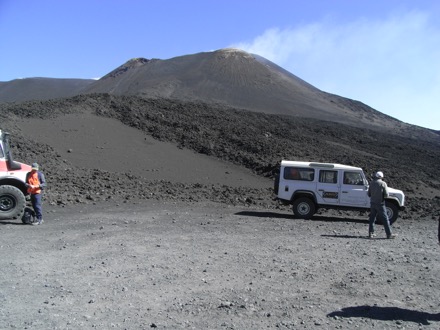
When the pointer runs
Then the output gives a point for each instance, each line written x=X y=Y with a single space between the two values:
x=392 y=211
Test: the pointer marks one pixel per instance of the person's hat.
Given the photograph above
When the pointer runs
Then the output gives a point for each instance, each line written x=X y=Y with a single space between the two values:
x=379 y=175
x=35 y=166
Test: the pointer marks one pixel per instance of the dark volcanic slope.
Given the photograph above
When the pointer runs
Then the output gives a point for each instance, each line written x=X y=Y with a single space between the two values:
x=230 y=77
x=237 y=79
x=252 y=140
x=19 y=90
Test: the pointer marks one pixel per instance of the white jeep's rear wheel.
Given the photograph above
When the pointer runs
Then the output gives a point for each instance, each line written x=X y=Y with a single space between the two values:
x=303 y=208
x=12 y=202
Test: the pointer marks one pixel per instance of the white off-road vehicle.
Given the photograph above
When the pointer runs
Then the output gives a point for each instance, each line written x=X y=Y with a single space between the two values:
x=12 y=182
x=309 y=186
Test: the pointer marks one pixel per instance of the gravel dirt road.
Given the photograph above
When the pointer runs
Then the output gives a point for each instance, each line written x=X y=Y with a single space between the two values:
x=172 y=265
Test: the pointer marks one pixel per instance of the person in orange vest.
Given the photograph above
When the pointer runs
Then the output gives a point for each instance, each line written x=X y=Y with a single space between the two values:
x=35 y=183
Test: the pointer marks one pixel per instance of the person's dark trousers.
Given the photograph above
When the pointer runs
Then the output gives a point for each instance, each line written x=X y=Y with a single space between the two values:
x=379 y=211
x=36 y=204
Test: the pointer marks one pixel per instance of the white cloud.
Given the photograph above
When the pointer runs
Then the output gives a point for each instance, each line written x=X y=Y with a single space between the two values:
x=391 y=65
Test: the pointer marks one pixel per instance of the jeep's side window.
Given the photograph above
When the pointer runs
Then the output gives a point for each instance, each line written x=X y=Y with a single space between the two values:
x=291 y=173
x=298 y=173
x=328 y=176
x=354 y=178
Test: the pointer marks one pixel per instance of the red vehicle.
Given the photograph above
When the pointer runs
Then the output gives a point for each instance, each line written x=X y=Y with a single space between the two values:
x=12 y=182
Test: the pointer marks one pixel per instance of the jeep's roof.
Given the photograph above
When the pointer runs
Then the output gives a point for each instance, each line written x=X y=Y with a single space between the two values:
x=319 y=165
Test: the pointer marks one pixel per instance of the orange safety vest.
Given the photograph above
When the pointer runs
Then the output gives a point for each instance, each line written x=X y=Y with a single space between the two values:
x=33 y=180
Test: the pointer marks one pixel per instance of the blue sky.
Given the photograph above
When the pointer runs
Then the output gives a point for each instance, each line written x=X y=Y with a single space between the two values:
x=385 y=53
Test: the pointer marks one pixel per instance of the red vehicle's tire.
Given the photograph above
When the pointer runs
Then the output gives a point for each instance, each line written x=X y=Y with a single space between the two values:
x=12 y=202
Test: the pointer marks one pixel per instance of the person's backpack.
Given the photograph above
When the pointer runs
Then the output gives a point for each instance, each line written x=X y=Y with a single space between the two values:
x=28 y=216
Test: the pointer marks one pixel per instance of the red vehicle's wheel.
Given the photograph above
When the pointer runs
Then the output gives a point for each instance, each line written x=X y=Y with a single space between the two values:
x=12 y=202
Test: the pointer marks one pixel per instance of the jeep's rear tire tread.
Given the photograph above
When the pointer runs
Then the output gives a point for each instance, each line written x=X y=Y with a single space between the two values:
x=12 y=202
x=303 y=208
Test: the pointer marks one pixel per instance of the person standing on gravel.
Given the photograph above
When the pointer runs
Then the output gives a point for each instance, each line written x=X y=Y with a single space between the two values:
x=35 y=183
x=378 y=191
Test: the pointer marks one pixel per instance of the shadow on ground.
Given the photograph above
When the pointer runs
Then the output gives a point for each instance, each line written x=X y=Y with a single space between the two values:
x=268 y=214
x=336 y=219
x=345 y=236
x=8 y=222
x=265 y=214
x=387 y=314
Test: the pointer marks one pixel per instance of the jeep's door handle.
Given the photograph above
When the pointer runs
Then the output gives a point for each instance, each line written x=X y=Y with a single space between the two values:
x=345 y=192
x=320 y=189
